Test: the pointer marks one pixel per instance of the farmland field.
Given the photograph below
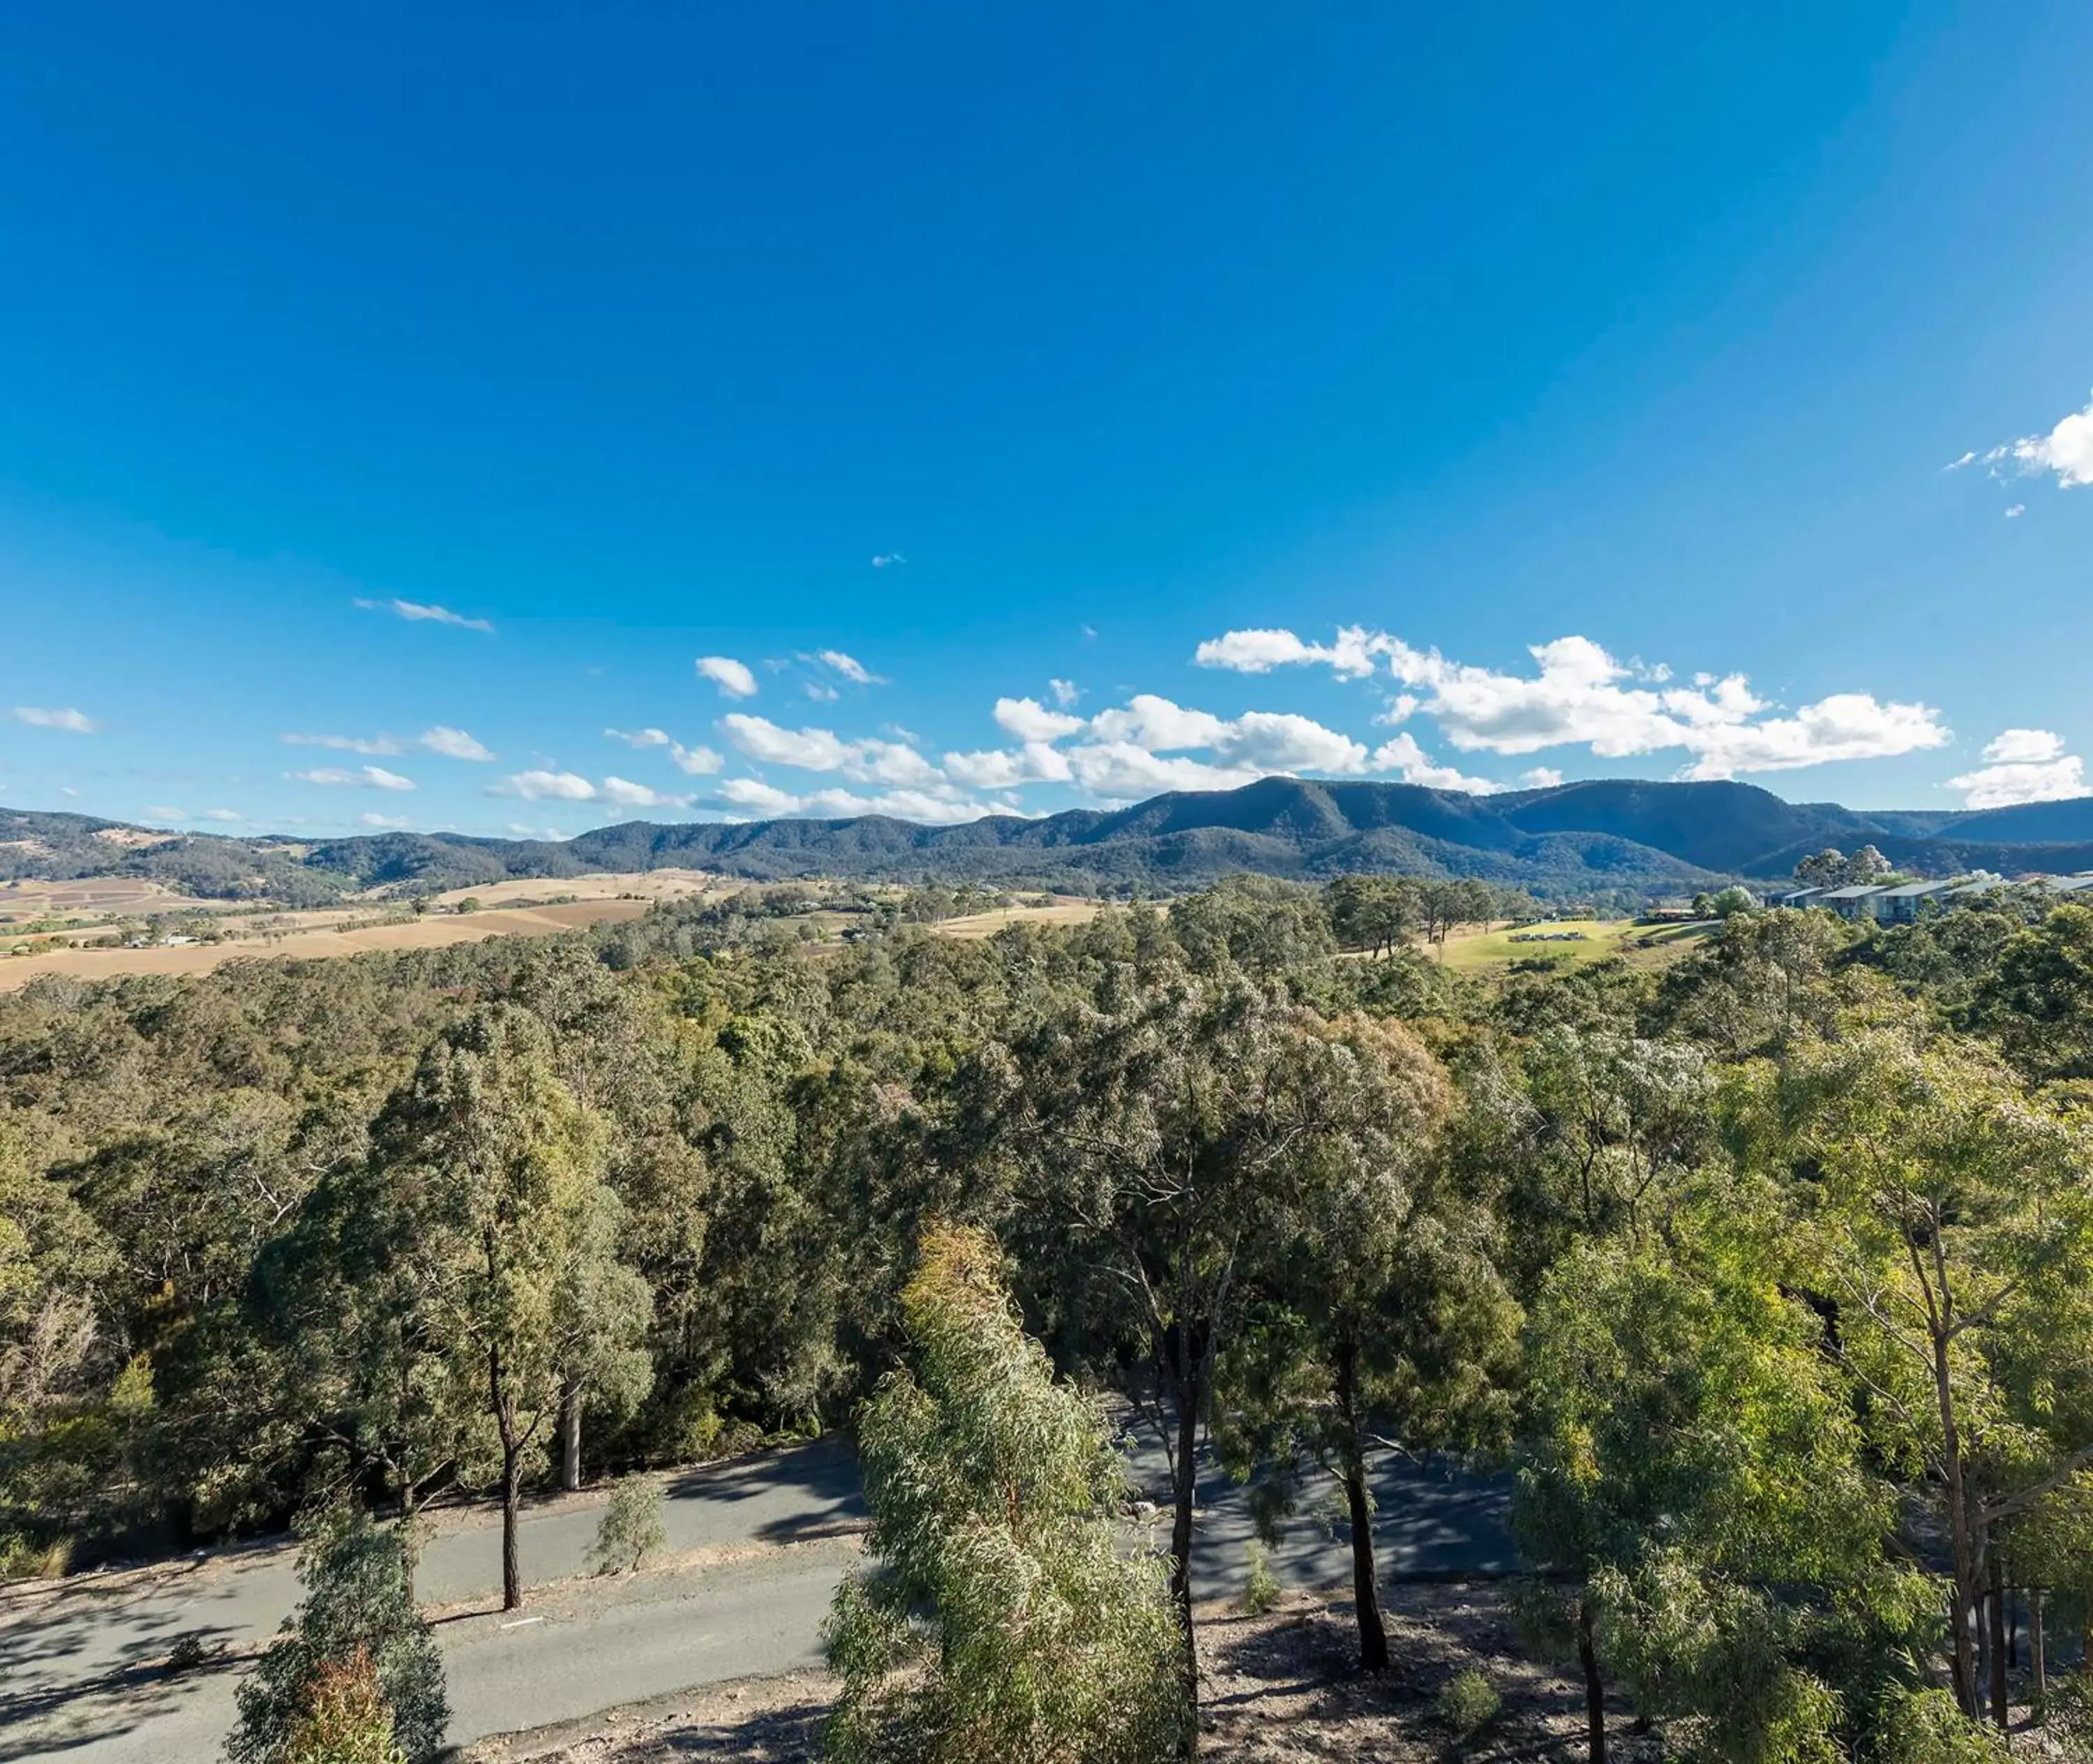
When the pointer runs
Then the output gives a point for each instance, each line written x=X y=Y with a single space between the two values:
x=1600 y=939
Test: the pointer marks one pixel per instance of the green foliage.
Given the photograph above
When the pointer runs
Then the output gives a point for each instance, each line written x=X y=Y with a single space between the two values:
x=355 y=1661
x=1261 y=1590
x=1467 y=1704
x=632 y=1528
x=1002 y=1623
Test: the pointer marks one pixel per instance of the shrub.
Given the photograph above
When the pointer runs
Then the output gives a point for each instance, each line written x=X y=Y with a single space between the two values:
x=1003 y=1624
x=1468 y=1703
x=1261 y=1590
x=358 y=1603
x=631 y=1528
x=347 y=1720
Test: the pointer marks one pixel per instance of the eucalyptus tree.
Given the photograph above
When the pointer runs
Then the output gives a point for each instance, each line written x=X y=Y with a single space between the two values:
x=1003 y=1623
x=1686 y=1446
x=489 y=1177
x=1167 y=1134
x=1377 y=1317
x=1951 y=1221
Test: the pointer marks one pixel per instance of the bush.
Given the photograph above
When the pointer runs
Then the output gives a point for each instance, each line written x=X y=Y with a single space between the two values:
x=1468 y=1703
x=359 y=1605
x=631 y=1528
x=1002 y=1623
x=1261 y=1588
x=347 y=1720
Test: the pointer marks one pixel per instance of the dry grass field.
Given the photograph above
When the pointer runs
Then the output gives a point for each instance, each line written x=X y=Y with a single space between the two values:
x=430 y=933
x=979 y=925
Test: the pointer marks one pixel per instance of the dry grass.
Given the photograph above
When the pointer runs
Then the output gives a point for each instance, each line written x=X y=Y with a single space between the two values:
x=981 y=925
x=431 y=933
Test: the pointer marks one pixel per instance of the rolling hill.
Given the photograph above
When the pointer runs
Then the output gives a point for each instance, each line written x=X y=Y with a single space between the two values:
x=1606 y=836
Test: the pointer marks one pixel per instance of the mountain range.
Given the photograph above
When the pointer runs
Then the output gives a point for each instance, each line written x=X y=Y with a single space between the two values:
x=1608 y=837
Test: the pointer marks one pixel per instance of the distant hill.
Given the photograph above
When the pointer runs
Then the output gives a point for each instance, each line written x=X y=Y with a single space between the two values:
x=1604 y=836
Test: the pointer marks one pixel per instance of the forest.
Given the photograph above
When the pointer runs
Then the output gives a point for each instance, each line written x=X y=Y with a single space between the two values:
x=1768 y=1274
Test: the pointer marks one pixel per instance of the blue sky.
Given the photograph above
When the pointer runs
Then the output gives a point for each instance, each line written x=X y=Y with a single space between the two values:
x=1460 y=394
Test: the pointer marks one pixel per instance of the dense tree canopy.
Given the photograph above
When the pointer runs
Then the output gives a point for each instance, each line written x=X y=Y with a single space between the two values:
x=1768 y=1262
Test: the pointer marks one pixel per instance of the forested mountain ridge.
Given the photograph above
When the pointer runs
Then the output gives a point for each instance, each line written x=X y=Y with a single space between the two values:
x=1599 y=834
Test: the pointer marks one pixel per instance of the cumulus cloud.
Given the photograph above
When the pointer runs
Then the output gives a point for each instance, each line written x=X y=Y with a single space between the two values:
x=868 y=760
x=2022 y=765
x=1541 y=778
x=767 y=802
x=223 y=814
x=355 y=777
x=161 y=812
x=628 y=795
x=2016 y=511
x=1065 y=692
x=731 y=677
x=1007 y=769
x=1026 y=719
x=452 y=743
x=543 y=786
x=71 y=721
x=417 y=612
x=695 y=762
x=2066 y=451
x=394 y=823
x=1582 y=695
x=1351 y=656
x=886 y=560
x=1401 y=755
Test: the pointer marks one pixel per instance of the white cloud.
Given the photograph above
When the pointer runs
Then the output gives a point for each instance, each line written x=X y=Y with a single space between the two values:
x=1541 y=778
x=1006 y=769
x=2067 y=450
x=378 y=745
x=886 y=560
x=453 y=743
x=1258 y=741
x=541 y=786
x=223 y=814
x=2023 y=747
x=821 y=692
x=1028 y=720
x=627 y=794
x=768 y=802
x=867 y=760
x=417 y=611
x=1259 y=651
x=2002 y=786
x=1956 y=465
x=2022 y=765
x=1066 y=692
x=731 y=677
x=73 y=722
x=1121 y=769
x=1401 y=755
x=2016 y=511
x=1846 y=725
x=849 y=667
x=357 y=777
x=1581 y=696
x=697 y=762
x=161 y=812
x=371 y=818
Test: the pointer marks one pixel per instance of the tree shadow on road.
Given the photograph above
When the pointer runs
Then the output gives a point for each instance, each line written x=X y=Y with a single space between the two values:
x=142 y=1681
